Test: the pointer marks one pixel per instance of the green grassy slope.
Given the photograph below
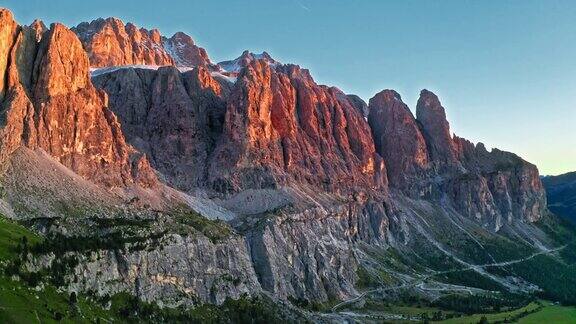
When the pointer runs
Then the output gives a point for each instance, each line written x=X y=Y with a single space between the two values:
x=551 y=314
x=534 y=313
x=22 y=304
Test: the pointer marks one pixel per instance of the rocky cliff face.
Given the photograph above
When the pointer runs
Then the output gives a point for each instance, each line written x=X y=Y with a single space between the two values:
x=49 y=102
x=276 y=127
x=514 y=184
x=281 y=126
x=109 y=42
x=302 y=256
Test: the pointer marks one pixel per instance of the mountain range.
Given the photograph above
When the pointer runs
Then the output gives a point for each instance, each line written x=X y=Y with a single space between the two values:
x=143 y=171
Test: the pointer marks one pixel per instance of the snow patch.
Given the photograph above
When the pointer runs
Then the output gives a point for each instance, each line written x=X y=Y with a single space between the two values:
x=94 y=72
x=224 y=77
x=230 y=66
x=169 y=48
x=234 y=66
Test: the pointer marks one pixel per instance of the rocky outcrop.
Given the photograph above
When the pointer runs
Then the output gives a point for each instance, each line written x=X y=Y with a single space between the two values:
x=50 y=103
x=514 y=184
x=306 y=256
x=8 y=34
x=39 y=28
x=179 y=270
x=282 y=127
x=398 y=140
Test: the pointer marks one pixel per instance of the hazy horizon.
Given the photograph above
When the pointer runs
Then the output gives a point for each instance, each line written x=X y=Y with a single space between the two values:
x=504 y=71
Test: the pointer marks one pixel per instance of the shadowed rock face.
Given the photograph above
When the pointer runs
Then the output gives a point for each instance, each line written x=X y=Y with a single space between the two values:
x=398 y=139
x=359 y=104
x=49 y=102
x=435 y=128
x=175 y=118
x=514 y=184
x=282 y=127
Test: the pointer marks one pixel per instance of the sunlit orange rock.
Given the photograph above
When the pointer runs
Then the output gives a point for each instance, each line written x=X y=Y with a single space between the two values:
x=282 y=127
x=50 y=103
x=110 y=42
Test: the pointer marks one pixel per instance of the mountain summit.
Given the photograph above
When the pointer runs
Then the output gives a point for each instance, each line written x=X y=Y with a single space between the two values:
x=110 y=42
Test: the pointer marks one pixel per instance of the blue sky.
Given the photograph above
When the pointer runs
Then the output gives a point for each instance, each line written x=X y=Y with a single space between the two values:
x=504 y=70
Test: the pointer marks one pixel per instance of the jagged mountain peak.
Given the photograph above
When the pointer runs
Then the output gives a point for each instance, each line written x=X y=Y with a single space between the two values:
x=38 y=24
x=436 y=129
x=110 y=42
x=181 y=36
x=429 y=103
x=262 y=56
x=6 y=14
x=234 y=66
x=387 y=95
x=185 y=52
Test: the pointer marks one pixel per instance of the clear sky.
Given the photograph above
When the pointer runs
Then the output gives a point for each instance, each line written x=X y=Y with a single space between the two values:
x=504 y=70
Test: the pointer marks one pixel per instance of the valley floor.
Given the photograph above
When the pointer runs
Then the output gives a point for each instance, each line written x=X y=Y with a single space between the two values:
x=534 y=313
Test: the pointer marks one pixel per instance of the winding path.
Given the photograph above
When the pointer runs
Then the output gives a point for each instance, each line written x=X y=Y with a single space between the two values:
x=426 y=277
